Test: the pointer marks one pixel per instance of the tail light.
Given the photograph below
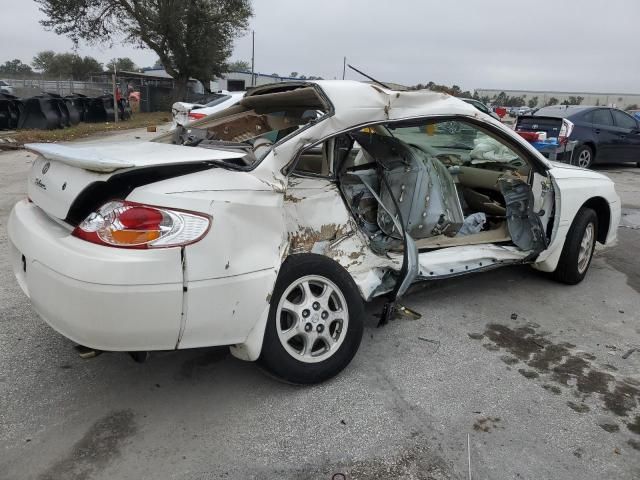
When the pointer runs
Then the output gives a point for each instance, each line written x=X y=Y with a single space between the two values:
x=133 y=225
x=565 y=132
x=529 y=136
x=196 y=116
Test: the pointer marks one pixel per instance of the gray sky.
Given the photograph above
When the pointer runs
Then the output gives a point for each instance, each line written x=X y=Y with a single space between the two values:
x=575 y=45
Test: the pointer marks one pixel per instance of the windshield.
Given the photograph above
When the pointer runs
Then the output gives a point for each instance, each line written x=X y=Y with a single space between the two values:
x=456 y=142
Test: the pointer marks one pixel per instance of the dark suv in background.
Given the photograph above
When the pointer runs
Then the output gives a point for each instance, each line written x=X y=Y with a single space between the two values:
x=587 y=135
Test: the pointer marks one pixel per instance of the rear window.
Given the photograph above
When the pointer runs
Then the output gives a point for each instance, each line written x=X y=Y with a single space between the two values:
x=558 y=111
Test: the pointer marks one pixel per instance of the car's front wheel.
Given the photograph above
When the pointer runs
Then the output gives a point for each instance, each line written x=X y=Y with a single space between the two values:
x=315 y=322
x=578 y=248
x=583 y=156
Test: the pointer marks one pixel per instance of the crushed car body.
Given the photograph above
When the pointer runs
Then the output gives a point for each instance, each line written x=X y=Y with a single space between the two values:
x=255 y=227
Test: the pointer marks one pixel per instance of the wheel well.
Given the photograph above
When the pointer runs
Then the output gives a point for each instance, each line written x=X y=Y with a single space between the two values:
x=592 y=146
x=601 y=207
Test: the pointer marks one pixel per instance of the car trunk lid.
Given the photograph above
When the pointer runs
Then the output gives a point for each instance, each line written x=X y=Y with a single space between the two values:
x=62 y=173
x=531 y=123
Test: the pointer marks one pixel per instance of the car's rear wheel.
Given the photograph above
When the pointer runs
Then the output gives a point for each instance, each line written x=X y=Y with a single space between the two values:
x=315 y=322
x=583 y=156
x=578 y=248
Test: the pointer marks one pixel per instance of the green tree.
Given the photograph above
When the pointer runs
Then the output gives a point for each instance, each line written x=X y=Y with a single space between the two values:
x=551 y=101
x=192 y=39
x=15 y=68
x=533 y=102
x=66 y=65
x=573 y=101
x=293 y=74
x=633 y=106
x=124 y=64
x=238 y=66
x=43 y=60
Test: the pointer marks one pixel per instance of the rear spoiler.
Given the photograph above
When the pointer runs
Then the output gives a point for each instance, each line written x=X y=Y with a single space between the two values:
x=108 y=157
x=81 y=158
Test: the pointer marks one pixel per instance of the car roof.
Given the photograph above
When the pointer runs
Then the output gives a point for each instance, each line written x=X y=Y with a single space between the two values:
x=363 y=102
x=563 y=111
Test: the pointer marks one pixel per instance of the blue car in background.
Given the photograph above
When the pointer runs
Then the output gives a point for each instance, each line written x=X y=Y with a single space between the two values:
x=634 y=113
x=585 y=135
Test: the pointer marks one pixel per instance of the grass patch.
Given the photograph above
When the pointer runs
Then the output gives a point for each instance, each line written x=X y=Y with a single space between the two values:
x=139 y=120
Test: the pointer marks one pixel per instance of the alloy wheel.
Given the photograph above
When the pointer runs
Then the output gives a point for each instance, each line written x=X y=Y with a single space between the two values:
x=586 y=248
x=584 y=159
x=312 y=319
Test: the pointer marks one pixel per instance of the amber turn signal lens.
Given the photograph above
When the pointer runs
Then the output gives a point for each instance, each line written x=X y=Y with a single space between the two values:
x=134 y=237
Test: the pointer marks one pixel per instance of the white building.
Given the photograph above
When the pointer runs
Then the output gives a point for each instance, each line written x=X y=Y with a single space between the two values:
x=240 y=81
x=619 y=100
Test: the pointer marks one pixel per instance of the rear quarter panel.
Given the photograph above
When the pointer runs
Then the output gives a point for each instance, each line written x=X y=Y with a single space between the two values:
x=230 y=273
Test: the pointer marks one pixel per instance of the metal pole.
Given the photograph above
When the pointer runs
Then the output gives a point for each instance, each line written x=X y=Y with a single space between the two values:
x=253 y=57
x=115 y=102
x=344 y=67
x=469 y=454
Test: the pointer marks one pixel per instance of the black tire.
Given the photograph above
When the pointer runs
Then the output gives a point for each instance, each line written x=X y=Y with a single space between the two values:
x=583 y=156
x=275 y=359
x=568 y=270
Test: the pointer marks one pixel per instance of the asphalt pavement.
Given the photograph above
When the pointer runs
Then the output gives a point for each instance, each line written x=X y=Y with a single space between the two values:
x=537 y=375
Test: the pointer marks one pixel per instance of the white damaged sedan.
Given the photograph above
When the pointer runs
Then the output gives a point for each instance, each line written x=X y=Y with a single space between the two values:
x=266 y=226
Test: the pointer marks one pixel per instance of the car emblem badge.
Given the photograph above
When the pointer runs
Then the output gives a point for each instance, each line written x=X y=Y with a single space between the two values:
x=45 y=169
x=534 y=126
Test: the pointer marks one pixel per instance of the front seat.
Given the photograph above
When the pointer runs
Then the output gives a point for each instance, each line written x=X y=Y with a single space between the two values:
x=422 y=186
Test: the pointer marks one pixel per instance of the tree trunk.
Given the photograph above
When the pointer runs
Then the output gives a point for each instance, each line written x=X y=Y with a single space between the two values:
x=180 y=89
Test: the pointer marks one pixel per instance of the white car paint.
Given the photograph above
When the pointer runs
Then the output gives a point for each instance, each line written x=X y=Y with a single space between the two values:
x=181 y=110
x=6 y=88
x=217 y=291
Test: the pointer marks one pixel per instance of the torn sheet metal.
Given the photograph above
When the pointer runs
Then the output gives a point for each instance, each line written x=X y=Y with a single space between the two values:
x=318 y=222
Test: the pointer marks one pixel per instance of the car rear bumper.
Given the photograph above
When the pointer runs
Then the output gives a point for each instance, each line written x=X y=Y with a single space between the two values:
x=104 y=298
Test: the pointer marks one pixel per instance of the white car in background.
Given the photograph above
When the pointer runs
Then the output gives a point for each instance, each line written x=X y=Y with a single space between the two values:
x=266 y=227
x=185 y=113
x=6 y=88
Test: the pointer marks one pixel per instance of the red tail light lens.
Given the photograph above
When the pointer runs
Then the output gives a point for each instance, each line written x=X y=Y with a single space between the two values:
x=529 y=136
x=196 y=116
x=133 y=225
